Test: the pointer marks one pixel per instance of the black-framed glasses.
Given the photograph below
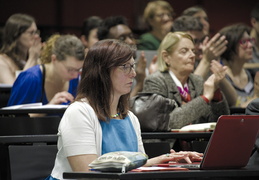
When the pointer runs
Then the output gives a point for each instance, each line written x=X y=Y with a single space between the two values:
x=128 y=67
x=34 y=32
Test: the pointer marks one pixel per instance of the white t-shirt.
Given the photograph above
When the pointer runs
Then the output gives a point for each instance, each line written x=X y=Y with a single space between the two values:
x=80 y=133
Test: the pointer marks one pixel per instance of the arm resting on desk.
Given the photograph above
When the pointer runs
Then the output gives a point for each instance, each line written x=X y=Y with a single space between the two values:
x=81 y=162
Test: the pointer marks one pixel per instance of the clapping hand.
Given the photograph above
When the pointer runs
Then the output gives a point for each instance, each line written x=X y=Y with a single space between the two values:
x=141 y=67
x=214 y=47
x=218 y=70
x=212 y=83
x=153 y=65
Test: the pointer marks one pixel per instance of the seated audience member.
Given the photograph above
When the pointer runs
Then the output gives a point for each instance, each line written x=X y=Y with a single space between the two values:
x=253 y=68
x=197 y=102
x=92 y=126
x=158 y=15
x=239 y=52
x=21 y=45
x=116 y=27
x=89 y=31
x=206 y=50
x=55 y=80
x=200 y=13
x=253 y=109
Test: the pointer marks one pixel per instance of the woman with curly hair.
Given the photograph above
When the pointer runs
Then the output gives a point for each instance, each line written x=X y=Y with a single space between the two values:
x=55 y=80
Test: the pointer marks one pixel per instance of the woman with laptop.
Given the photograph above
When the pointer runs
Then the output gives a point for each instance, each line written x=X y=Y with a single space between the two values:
x=99 y=121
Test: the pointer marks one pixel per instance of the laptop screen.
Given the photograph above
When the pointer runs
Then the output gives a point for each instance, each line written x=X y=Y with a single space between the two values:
x=232 y=142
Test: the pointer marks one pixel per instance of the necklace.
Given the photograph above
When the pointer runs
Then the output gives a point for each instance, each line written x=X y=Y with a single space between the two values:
x=115 y=115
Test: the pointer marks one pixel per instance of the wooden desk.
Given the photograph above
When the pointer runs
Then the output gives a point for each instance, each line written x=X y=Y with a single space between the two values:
x=246 y=173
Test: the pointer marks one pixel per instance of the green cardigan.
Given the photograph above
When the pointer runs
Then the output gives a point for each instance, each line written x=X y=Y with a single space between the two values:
x=148 y=42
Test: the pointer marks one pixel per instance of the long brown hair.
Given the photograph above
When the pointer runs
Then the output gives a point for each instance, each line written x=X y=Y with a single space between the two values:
x=96 y=84
x=14 y=27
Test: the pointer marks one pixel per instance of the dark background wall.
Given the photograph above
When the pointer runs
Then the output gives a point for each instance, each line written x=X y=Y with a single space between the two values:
x=66 y=16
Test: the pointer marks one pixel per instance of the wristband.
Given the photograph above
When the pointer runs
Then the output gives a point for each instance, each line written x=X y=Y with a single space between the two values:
x=205 y=99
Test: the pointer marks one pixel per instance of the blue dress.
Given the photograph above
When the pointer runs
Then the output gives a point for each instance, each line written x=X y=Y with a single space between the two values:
x=27 y=88
x=118 y=135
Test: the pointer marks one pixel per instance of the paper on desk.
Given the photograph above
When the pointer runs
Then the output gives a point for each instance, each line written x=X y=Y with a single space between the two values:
x=155 y=168
x=5 y=85
x=203 y=127
x=36 y=106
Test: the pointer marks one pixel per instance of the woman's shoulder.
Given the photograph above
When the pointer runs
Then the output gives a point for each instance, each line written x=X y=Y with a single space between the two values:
x=196 y=78
x=157 y=82
x=133 y=117
x=7 y=62
x=29 y=78
x=33 y=72
x=131 y=114
x=156 y=76
x=78 y=114
x=81 y=105
x=4 y=58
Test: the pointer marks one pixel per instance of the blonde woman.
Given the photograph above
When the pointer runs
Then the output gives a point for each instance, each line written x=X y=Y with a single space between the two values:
x=197 y=101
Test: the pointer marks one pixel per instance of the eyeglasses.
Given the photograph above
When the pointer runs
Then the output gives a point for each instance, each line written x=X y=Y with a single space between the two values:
x=128 y=67
x=71 y=70
x=162 y=15
x=34 y=32
x=125 y=36
x=244 y=42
